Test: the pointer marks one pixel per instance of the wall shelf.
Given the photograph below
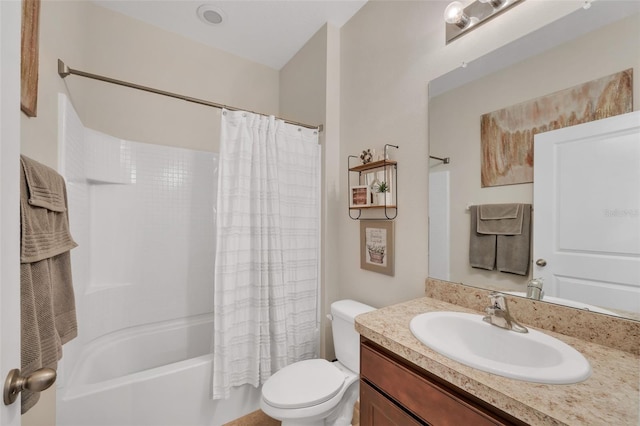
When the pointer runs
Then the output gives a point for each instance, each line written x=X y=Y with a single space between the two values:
x=362 y=181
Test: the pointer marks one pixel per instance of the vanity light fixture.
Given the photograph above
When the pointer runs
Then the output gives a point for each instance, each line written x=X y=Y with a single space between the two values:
x=460 y=19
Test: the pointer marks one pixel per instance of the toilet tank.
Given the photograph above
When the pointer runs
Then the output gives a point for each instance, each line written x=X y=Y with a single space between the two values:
x=346 y=339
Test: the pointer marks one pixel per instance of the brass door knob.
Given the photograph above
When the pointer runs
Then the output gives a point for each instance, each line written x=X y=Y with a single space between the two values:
x=37 y=381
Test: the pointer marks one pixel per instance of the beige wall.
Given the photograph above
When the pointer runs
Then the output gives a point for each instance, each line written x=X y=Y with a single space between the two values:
x=389 y=55
x=454 y=119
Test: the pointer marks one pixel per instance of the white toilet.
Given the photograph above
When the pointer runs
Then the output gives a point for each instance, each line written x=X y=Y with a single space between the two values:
x=318 y=392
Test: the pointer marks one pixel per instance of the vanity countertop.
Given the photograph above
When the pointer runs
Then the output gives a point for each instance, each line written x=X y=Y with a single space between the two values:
x=611 y=396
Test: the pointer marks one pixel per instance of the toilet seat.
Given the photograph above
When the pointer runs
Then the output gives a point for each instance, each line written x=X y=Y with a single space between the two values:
x=303 y=384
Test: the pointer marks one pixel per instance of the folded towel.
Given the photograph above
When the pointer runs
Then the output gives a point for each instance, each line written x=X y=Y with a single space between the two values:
x=513 y=252
x=482 y=248
x=48 y=316
x=43 y=213
x=499 y=219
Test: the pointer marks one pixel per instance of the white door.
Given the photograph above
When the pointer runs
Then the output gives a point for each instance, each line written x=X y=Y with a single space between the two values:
x=587 y=212
x=9 y=193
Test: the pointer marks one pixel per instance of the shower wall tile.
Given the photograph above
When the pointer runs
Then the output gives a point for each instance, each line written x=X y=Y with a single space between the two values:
x=107 y=159
x=143 y=216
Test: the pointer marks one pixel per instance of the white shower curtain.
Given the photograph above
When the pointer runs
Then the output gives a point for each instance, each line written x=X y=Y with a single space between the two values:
x=267 y=249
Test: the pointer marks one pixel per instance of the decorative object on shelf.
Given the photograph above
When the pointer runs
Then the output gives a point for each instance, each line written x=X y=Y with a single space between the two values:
x=383 y=194
x=366 y=156
x=507 y=155
x=360 y=196
x=376 y=246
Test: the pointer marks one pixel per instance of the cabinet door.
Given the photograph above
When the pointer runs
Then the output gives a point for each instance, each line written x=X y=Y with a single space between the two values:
x=377 y=410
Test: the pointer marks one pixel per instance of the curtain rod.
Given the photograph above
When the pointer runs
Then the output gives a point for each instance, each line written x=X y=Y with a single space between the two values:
x=64 y=71
x=445 y=160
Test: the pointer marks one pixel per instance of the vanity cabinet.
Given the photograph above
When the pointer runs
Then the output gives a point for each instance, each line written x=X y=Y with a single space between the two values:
x=396 y=392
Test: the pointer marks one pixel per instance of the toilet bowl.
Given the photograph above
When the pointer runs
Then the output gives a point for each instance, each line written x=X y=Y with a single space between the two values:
x=317 y=392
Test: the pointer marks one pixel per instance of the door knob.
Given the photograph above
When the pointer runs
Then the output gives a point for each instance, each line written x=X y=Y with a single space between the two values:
x=541 y=262
x=37 y=381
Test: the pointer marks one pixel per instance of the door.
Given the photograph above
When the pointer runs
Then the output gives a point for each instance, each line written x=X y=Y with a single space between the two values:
x=587 y=212
x=9 y=193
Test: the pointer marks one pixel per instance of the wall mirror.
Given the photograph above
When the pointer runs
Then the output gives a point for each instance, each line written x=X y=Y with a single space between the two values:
x=583 y=46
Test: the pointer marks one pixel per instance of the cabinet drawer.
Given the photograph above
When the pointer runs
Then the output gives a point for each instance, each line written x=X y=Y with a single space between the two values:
x=377 y=410
x=430 y=401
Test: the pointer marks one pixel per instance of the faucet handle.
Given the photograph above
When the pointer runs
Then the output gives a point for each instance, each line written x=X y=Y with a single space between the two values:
x=497 y=300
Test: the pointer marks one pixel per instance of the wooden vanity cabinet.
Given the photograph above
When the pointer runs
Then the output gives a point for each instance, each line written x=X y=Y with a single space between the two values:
x=396 y=392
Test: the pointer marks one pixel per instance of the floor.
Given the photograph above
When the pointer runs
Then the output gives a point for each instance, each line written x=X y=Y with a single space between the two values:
x=258 y=418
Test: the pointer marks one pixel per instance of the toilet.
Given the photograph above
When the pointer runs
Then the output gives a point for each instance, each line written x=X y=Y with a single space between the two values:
x=317 y=392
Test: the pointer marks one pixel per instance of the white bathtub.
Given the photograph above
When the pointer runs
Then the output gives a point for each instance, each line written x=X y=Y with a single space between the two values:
x=153 y=375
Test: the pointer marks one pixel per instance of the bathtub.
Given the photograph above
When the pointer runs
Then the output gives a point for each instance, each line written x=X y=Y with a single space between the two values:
x=158 y=374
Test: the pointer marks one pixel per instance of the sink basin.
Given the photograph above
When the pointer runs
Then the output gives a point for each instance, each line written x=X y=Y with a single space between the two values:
x=533 y=356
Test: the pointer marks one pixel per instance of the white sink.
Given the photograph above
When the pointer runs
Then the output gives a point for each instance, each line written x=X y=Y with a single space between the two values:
x=533 y=356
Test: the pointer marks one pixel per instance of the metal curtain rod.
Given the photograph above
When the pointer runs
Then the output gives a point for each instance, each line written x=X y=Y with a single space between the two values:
x=64 y=71
x=445 y=160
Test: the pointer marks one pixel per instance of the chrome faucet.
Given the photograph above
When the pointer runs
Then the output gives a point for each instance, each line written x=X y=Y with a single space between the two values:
x=498 y=314
x=534 y=289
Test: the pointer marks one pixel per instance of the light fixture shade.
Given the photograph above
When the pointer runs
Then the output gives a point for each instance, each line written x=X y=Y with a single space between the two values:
x=454 y=14
x=494 y=3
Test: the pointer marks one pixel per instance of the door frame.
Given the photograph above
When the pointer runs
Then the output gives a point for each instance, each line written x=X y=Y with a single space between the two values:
x=10 y=17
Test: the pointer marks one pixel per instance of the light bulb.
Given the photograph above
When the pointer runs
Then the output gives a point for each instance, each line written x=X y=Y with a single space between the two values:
x=454 y=14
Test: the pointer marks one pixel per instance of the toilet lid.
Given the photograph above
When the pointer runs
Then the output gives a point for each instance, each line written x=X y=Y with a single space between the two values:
x=303 y=384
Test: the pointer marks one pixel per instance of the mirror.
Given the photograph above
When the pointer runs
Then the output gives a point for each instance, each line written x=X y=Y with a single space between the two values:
x=583 y=46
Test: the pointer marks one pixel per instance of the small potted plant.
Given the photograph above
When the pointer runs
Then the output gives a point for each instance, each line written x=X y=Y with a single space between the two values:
x=382 y=190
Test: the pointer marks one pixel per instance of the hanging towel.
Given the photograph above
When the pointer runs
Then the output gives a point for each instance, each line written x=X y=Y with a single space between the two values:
x=48 y=317
x=499 y=219
x=513 y=252
x=482 y=247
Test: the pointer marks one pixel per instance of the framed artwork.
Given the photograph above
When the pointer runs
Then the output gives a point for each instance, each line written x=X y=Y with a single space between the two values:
x=506 y=135
x=359 y=196
x=29 y=57
x=376 y=246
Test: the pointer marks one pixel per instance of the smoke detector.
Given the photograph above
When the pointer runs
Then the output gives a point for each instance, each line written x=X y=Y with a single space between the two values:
x=210 y=14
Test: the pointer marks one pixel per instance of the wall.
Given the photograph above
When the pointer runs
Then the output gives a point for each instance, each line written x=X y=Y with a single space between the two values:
x=389 y=53
x=458 y=135
x=93 y=39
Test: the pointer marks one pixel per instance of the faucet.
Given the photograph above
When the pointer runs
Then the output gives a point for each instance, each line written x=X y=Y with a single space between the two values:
x=534 y=289
x=498 y=314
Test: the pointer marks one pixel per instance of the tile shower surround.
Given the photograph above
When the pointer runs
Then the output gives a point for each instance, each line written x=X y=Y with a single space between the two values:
x=143 y=216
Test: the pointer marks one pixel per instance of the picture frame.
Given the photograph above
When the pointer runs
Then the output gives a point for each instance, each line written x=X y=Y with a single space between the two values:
x=29 y=57
x=359 y=196
x=377 y=246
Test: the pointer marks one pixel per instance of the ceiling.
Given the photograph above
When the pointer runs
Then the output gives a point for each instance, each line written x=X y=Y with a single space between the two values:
x=265 y=31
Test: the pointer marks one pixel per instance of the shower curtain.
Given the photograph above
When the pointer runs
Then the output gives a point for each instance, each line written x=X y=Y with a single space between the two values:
x=267 y=249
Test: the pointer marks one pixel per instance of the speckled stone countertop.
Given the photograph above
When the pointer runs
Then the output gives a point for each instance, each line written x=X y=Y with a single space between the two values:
x=611 y=396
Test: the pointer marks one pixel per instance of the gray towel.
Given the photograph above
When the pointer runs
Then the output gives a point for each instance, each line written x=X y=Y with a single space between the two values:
x=482 y=248
x=48 y=316
x=513 y=253
x=500 y=219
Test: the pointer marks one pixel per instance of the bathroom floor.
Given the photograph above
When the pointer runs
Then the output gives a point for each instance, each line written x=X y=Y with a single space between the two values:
x=258 y=418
